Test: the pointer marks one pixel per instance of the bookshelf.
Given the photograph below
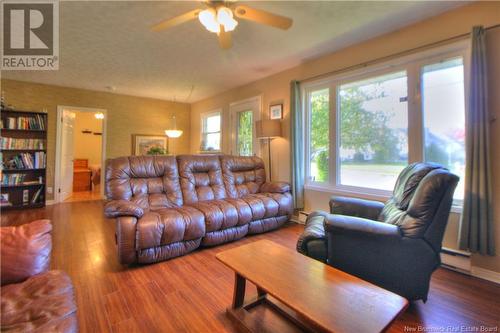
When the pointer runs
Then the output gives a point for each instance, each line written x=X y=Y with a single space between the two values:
x=23 y=159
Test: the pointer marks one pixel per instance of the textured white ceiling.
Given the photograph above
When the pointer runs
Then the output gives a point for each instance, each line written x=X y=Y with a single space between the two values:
x=109 y=44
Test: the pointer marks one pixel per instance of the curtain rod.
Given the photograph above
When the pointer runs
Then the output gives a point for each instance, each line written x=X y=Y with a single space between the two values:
x=395 y=55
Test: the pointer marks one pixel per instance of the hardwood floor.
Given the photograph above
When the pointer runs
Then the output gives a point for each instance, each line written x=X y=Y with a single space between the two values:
x=191 y=293
x=95 y=194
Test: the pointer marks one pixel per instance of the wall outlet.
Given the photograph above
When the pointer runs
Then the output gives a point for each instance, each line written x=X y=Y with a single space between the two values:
x=50 y=190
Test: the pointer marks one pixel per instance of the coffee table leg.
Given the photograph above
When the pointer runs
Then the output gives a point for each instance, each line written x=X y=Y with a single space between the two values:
x=239 y=291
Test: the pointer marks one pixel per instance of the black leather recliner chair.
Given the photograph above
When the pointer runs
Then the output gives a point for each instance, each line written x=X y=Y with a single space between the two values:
x=395 y=246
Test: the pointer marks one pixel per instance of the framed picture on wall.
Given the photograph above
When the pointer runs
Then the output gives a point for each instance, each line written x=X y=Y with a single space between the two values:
x=276 y=111
x=145 y=144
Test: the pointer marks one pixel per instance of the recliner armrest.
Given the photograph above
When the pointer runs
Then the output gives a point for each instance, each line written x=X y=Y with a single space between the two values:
x=367 y=209
x=116 y=208
x=275 y=187
x=312 y=242
x=359 y=226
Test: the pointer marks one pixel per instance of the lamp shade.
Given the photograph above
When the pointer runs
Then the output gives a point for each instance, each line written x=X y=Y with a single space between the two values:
x=268 y=128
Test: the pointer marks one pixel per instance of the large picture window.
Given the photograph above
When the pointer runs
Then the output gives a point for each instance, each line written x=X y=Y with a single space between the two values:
x=373 y=131
x=363 y=128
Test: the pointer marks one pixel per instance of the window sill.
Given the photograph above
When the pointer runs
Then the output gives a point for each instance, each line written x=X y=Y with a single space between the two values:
x=349 y=193
x=455 y=208
x=209 y=152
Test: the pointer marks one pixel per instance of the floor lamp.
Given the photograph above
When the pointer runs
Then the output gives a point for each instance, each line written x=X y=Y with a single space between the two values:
x=268 y=129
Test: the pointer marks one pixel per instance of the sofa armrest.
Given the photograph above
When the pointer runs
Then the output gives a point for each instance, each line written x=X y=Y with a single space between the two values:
x=275 y=187
x=367 y=209
x=117 y=208
x=25 y=250
x=126 y=227
x=343 y=224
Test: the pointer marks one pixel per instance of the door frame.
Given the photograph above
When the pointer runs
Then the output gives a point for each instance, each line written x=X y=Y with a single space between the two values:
x=258 y=101
x=57 y=174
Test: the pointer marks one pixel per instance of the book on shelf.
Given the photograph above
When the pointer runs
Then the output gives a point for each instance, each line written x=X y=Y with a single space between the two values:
x=37 y=196
x=21 y=161
x=13 y=179
x=14 y=143
x=19 y=179
x=35 y=122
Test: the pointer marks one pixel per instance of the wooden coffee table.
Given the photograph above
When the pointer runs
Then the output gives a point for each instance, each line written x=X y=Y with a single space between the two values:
x=311 y=295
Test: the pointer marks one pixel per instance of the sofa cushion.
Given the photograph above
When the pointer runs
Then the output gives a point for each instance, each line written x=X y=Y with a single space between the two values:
x=243 y=175
x=285 y=202
x=43 y=303
x=244 y=211
x=148 y=181
x=200 y=178
x=219 y=214
x=267 y=224
x=169 y=225
x=262 y=206
x=225 y=235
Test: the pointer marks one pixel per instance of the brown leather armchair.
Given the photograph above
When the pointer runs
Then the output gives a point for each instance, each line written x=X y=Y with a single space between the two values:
x=33 y=298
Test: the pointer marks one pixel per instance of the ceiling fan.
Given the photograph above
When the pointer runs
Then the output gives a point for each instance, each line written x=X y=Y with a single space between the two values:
x=218 y=17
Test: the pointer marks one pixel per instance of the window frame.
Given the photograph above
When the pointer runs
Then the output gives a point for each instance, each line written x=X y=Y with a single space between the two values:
x=203 y=117
x=413 y=65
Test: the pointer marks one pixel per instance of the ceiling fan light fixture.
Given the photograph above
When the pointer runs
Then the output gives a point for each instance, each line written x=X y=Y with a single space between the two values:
x=208 y=18
x=225 y=18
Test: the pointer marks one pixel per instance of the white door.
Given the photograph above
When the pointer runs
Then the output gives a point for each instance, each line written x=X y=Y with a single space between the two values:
x=68 y=121
x=244 y=114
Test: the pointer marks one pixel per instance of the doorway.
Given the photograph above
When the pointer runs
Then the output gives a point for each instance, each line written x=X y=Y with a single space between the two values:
x=80 y=154
x=243 y=115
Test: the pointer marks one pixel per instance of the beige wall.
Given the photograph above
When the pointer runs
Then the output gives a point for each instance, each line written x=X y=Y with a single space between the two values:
x=276 y=88
x=127 y=115
x=87 y=145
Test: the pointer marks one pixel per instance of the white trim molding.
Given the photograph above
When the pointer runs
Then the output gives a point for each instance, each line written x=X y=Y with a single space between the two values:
x=485 y=274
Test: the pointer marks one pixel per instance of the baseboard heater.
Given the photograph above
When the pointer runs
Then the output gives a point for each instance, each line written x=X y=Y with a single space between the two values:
x=456 y=260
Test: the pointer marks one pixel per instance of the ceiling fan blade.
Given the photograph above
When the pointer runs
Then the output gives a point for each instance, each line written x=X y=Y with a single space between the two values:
x=263 y=17
x=225 y=40
x=176 y=20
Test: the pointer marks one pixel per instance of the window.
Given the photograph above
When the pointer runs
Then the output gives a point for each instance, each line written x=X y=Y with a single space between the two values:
x=319 y=141
x=373 y=131
x=444 y=132
x=362 y=128
x=210 y=131
x=244 y=135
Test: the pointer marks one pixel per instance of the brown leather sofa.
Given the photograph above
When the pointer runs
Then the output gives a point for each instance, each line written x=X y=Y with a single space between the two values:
x=33 y=298
x=167 y=206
